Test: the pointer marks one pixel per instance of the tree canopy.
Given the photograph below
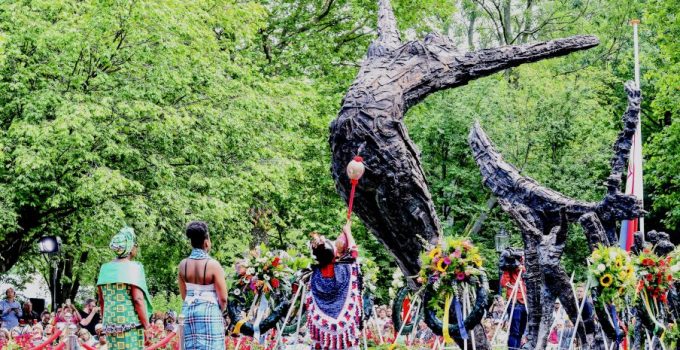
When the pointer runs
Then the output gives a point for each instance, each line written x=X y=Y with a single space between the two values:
x=154 y=113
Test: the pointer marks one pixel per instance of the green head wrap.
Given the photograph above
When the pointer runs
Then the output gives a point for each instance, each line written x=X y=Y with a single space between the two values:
x=123 y=242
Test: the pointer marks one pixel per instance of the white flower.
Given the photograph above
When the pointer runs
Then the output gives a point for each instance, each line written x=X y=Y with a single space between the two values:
x=250 y=271
x=237 y=292
x=612 y=255
x=266 y=277
x=601 y=267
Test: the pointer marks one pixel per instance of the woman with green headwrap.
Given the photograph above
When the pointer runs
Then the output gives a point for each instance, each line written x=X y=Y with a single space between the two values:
x=123 y=296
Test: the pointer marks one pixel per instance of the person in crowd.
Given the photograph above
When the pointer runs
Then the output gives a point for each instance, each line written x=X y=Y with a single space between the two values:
x=98 y=329
x=89 y=316
x=171 y=321
x=588 y=311
x=334 y=301
x=10 y=310
x=203 y=288
x=518 y=323
x=496 y=309
x=69 y=318
x=381 y=320
x=156 y=333
x=424 y=333
x=29 y=316
x=37 y=334
x=45 y=318
x=566 y=335
x=123 y=295
x=85 y=337
x=102 y=344
x=48 y=330
x=68 y=314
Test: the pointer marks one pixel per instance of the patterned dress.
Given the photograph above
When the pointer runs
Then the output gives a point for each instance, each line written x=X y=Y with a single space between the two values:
x=334 y=305
x=121 y=323
x=204 y=325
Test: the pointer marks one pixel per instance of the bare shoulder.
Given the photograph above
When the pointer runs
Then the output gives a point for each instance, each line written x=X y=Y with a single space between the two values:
x=215 y=265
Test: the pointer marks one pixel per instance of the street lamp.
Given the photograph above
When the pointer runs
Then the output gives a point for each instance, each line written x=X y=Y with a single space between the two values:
x=502 y=241
x=50 y=246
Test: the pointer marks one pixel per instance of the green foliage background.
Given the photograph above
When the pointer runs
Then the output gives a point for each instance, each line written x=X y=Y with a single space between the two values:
x=154 y=113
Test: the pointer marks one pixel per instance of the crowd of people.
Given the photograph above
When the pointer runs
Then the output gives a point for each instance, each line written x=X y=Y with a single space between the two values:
x=21 y=326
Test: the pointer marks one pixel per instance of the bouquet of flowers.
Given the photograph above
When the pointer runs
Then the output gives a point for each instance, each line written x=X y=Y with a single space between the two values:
x=611 y=271
x=654 y=274
x=397 y=283
x=262 y=271
x=452 y=263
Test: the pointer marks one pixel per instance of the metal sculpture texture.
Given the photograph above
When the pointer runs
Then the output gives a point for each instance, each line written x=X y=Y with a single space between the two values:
x=543 y=214
x=393 y=199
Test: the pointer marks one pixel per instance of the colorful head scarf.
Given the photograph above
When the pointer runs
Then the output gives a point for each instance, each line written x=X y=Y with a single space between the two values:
x=123 y=242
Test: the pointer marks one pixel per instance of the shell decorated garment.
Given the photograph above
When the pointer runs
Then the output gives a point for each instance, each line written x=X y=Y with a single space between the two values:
x=334 y=305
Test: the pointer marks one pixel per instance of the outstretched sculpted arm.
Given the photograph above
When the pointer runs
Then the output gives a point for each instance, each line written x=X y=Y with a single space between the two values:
x=393 y=199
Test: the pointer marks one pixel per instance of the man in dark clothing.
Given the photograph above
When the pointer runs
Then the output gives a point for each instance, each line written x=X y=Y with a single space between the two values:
x=90 y=316
x=588 y=311
x=45 y=318
x=29 y=317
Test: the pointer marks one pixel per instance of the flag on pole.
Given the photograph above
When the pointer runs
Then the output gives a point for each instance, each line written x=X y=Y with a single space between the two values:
x=633 y=187
x=634 y=178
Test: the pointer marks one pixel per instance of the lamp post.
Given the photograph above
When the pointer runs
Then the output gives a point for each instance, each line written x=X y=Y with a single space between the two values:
x=50 y=246
x=502 y=240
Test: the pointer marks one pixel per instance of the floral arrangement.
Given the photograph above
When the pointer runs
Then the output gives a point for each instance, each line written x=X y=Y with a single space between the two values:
x=369 y=272
x=611 y=271
x=397 y=283
x=452 y=263
x=654 y=274
x=262 y=271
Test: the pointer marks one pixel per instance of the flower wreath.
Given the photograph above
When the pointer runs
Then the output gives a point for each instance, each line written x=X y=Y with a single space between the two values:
x=611 y=272
x=262 y=271
x=654 y=274
x=447 y=270
x=448 y=266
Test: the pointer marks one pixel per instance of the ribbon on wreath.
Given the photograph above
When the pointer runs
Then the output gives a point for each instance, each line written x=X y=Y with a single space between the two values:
x=261 y=310
x=615 y=321
x=459 y=316
x=447 y=307
x=645 y=302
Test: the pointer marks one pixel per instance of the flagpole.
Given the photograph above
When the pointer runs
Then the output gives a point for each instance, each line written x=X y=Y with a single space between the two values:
x=638 y=131
x=636 y=49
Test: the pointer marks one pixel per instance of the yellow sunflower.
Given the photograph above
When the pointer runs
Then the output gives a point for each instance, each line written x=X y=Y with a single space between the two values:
x=477 y=260
x=606 y=280
x=619 y=263
x=434 y=252
x=440 y=266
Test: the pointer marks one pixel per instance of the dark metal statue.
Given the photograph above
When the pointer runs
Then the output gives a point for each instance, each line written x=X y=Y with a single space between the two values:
x=393 y=199
x=543 y=215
